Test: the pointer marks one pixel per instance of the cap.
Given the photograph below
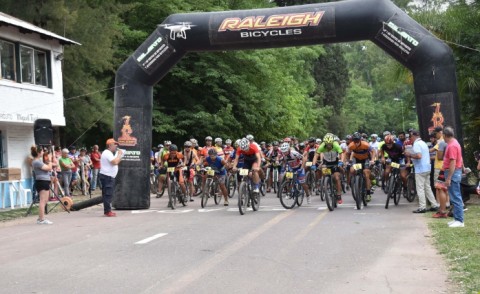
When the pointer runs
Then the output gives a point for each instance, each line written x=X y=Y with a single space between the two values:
x=438 y=129
x=111 y=141
x=72 y=147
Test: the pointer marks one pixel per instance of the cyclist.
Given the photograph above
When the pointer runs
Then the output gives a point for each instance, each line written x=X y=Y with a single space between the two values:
x=175 y=159
x=395 y=154
x=252 y=161
x=162 y=168
x=217 y=163
x=361 y=152
x=204 y=151
x=191 y=159
x=295 y=161
x=273 y=157
x=332 y=156
x=309 y=154
x=219 y=146
x=228 y=149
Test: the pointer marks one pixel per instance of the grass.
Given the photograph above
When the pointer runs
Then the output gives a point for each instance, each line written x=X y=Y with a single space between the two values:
x=461 y=248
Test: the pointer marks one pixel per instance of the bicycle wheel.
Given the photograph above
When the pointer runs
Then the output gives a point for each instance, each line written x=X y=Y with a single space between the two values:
x=320 y=186
x=173 y=196
x=243 y=198
x=206 y=193
x=357 y=191
x=300 y=194
x=153 y=184
x=183 y=199
x=390 y=190
x=327 y=189
x=364 y=190
x=161 y=192
x=263 y=187
x=232 y=185
x=255 y=200
x=275 y=180
x=197 y=184
x=398 y=191
x=286 y=194
x=411 y=189
x=217 y=195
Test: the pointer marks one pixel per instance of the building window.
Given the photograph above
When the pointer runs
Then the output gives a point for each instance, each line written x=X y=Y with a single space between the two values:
x=33 y=66
x=7 y=60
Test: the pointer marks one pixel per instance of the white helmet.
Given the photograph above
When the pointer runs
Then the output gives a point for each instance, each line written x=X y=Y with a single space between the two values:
x=237 y=143
x=228 y=141
x=284 y=147
x=318 y=141
x=208 y=138
x=249 y=137
x=218 y=140
x=244 y=144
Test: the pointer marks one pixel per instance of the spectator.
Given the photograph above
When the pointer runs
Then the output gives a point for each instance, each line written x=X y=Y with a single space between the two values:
x=110 y=159
x=95 y=157
x=74 y=157
x=42 y=166
x=66 y=165
x=85 y=162
x=442 y=195
x=453 y=164
x=421 y=160
x=433 y=152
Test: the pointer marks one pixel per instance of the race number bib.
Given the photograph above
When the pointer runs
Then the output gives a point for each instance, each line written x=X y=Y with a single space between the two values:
x=357 y=166
x=170 y=169
x=326 y=171
x=308 y=163
x=211 y=172
x=395 y=165
x=289 y=175
x=244 y=172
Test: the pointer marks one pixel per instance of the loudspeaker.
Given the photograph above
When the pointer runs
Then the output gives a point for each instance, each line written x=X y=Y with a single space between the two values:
x=43 y=132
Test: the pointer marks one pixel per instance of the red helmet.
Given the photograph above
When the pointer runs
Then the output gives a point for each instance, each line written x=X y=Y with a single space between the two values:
x=287 y=139
x=388 y=139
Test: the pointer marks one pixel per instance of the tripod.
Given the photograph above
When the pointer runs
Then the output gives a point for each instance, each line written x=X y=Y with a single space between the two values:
x=36 y=199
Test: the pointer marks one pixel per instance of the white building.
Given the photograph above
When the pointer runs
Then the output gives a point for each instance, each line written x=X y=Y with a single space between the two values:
x=31 y=87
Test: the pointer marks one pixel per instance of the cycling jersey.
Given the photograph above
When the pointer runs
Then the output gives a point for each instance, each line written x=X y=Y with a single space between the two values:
x=204 y=151
x=330 y=156
x=219 y=150
x=250 y=154
x=228 y=151
x=360 y=152
x=173 y=162
x=294 y=159
x=311 y=152
x=217 y=165
x=395 y=153
x=241 y=159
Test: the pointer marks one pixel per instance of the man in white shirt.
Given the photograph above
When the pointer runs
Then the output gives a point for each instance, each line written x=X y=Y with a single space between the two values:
x=110 y=159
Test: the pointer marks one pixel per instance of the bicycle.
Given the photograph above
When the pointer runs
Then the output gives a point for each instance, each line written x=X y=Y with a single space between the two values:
x=411 y=192
x=210 y=190
x=394 y=184
x=174 y=190
x=197 y=181
x=232 y=183
x=329 y=188
x=291 y=192
x=153 y=180
x=310 y=177
x=245 y=193
x=359 y=186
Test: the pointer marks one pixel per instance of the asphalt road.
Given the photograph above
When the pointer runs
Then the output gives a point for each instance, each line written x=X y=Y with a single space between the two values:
x=216 y=250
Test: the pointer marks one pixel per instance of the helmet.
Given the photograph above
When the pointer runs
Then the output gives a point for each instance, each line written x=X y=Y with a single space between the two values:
x=328 y=139
x=244 y=144
x=287 y=140
x=386 y=133
x=194 y=141
x=262 y=143
x=311 y=140
x=301 y=145
x=275 y=143
x=318 y=141
x=208 y=138
x=167 y=143
x=356 y=136
x=160 y=146
x=373 y=135
x=187 y=144
x=348 y=137
x=388 y=139
x=284 y=147
x=212 y=151
x=237 y=143
x=228 y=141
x=218 y=140
x=336 y=138
x=173 y=147
x=249 y=137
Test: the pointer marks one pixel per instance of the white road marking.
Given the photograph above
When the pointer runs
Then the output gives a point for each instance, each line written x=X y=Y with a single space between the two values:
x=143 y=211
x=175 y=211
x=209 y=210
x=149 y=239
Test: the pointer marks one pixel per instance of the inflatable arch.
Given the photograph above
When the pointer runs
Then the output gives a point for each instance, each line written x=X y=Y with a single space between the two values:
x=380 y=21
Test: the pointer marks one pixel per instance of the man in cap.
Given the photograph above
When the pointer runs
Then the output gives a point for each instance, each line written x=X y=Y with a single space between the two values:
x=110 y=159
